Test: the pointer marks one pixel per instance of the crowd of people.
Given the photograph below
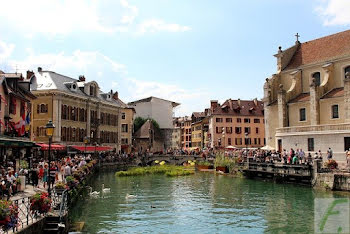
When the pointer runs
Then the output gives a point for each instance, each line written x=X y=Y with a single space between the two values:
x=8 y=182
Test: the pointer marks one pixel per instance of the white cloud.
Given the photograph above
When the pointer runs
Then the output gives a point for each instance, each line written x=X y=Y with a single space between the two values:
x=154 y=25
x=334 y=12
x=5 y=50
x=79 y=62
x=62 y=17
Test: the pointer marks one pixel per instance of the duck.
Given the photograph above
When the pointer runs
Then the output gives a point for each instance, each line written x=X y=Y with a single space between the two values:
x=105 y=190
x=93 y=193
x=130 y=196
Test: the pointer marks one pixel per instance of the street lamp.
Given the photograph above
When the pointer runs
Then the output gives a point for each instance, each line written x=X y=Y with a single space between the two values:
x=246 y=142
x=223 y=138
x=86 y=141
x=50 y=127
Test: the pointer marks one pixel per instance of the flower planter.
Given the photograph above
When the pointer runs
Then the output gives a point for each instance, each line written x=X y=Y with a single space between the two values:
x=222 y=169
x=203 y=167
x=59 y=190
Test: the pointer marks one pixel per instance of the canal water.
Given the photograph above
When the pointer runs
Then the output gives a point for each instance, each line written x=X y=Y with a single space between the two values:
x=202 y=203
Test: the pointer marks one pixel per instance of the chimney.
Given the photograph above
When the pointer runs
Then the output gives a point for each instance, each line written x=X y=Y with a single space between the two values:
x=111 y=91
x=115 y=95
x=255 y=101
x=82 y=78
x=29 y=74
x=206 y=110
x=239 y=102
x=40 y=69
x=213 y=104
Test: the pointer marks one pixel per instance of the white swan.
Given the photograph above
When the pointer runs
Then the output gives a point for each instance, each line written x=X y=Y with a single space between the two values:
x=105 y=190
x=93 y=193
x=130 y=196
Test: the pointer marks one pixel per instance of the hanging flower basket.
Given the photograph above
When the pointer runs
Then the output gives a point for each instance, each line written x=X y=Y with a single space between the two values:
x=40 y=203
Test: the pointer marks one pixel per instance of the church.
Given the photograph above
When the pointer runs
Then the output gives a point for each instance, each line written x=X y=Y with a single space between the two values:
x=307 y=102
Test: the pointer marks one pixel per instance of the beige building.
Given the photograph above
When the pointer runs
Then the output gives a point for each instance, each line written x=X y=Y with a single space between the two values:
x=200 y=125
x=237 y=123
x=307 y=102
x=79 y=110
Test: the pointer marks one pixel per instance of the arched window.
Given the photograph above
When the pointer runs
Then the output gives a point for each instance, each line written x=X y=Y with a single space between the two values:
x=317 y=77
x=346 y=70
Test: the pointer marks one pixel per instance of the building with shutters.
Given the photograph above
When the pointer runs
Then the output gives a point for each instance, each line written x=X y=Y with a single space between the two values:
x=79 y=110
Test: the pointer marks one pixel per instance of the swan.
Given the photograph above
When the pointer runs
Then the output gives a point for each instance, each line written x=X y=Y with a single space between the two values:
x=105 y=190
x=94 y=193
x=130 y=196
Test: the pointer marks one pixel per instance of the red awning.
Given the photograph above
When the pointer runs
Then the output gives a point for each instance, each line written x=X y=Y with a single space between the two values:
x=125 y=146
x=53 y=146
x=92 y=148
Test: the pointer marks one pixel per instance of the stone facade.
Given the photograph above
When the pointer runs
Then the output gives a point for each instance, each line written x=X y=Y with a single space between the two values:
x=306 y=102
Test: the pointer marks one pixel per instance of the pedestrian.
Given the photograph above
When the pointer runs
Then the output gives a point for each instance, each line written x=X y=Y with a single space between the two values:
x=329 y=153
x=348 y=158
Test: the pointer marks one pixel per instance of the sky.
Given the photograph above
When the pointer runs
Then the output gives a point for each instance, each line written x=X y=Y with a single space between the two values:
x=188 y=51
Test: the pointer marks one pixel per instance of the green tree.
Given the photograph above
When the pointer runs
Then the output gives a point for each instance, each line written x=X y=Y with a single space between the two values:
x=139 y=121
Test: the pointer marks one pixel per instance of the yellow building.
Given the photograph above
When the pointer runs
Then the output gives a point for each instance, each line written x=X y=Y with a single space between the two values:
x=307 y=102
x=197 y=138
x=79 y=110
x=127 y=124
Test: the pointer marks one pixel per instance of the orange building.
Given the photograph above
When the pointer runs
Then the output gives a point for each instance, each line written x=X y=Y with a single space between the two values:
x=238 y=123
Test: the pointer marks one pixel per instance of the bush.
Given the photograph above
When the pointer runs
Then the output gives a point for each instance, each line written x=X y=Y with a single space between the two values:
x=204 y=163
x=162 y=169
x=222 y=161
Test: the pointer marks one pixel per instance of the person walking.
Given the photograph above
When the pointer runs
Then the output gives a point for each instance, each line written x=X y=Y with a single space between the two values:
x=329 y=153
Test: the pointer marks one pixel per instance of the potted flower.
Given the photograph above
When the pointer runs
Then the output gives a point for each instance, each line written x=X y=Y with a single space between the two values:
x=8 y=214
x=331 y=164
x=59 y=187
x=40 y=203
x=204 y=165
x=70 y=181
x=222 y=163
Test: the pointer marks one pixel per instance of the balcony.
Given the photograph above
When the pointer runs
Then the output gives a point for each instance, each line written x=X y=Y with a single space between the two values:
x=316 y=129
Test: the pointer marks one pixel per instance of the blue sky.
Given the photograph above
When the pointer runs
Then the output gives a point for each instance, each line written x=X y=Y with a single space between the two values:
x=189 y=51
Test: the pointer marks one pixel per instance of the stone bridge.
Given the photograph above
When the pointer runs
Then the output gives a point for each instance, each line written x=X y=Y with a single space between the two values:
x=169 y=159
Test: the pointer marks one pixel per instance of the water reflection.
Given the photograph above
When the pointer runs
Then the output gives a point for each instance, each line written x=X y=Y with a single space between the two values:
x=200 y=203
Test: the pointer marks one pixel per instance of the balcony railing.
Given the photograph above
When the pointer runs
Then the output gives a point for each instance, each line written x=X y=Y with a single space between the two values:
x=316 y=128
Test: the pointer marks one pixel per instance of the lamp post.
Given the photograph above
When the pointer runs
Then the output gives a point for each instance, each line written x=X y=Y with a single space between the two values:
x=223 y=138
x=50 y=127
x=86 y=141
x=246 y=143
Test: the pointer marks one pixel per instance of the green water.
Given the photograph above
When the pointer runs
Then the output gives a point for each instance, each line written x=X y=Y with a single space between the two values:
x=202 y=203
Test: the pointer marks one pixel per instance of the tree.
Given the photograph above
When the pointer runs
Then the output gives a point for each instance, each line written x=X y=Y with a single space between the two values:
x=139 y=121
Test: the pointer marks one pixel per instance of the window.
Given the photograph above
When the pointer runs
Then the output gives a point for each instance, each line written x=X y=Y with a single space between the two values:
x=229 y=141
x=239 y=120
x=247 y=130
x=238 y=130
x=228 y=120
x=246 y=120
x=256 y=120
x=346 y=70
x=247 y=141
x=123 y=115
x=255 y=141
x=238 y=141
x=124 y=141
x=13 y=105
x=317 y=77
x=219 y=120
x=335 y=112
x=256 y=130
x=310 y=144
x=124 y=128
x=302 y=114
x=229 y=130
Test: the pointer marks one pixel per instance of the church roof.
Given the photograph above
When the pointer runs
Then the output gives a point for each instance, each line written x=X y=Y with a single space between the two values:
x=303 y=97
x=321 y=50
x=337 y=92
